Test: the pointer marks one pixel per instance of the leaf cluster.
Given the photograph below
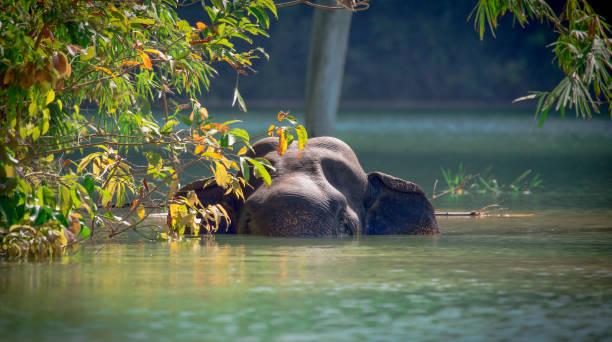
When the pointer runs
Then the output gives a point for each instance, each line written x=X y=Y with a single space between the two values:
x=78 y=80
x=583 y=51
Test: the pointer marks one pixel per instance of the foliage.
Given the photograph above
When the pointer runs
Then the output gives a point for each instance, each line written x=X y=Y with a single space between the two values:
x=461 y=183
x=78 y=79
x=583 y=51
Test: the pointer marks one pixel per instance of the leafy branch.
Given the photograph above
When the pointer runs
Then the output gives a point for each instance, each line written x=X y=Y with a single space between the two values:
x=583 y=51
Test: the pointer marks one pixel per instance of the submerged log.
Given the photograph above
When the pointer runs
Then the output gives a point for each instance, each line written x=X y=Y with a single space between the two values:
x=477 y=214
x=458 y=213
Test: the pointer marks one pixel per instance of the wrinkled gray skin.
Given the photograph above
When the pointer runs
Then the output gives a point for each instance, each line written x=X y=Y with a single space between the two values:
x=324 y=192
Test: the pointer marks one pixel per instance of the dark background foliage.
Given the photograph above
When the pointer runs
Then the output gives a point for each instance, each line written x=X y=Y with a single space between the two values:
x=404 y=52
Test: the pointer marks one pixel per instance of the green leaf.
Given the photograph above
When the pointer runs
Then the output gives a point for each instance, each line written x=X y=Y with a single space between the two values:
x=271 y=6
x=220 y=4
x=184 y=26
x=244 y=168
x=302 y=136
x=238 y=97
x=185 y=119
x=8 y=209
x=89 y=185
x=262 y=16
x=85 y=232
x=65 y=200
x=91 y=52
x=49 y=197
x=74 y=197
x=260 y=171
x=142 y=21
x=35 y=133
x=43 y=215
x=32 y=109
x=239 y=133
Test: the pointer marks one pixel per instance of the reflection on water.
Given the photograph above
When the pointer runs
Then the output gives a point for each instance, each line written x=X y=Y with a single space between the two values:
x=544 y=277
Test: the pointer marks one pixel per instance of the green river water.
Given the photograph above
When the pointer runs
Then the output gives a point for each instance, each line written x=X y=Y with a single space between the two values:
x=545 y=277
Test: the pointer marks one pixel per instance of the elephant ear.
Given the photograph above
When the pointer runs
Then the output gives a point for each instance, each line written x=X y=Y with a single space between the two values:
x=209 y=192
x=396 y=206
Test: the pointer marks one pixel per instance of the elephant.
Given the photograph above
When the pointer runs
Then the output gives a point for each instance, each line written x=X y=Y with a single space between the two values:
x=320 y=191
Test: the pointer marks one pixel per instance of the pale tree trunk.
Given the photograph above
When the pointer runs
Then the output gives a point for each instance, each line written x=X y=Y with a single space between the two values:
x=328 y=45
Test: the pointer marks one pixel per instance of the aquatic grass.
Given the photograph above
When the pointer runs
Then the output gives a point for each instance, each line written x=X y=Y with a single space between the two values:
x=460 y=183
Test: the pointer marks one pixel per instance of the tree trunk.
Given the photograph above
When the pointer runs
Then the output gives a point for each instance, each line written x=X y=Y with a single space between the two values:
x=328 y=45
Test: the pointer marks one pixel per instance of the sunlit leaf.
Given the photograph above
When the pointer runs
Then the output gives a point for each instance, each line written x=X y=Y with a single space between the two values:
x=302 y=136
x=222 y=178
x=107 y=71
x=85 y=232
x=65 y=200
x=260 y=171
x=129 y=63
x=244 y=169
x=198 y=149
x=282 y=141
x=50 y=96
x=141 y=211
x=238 y=99
x=146 y=61
x=242 y=151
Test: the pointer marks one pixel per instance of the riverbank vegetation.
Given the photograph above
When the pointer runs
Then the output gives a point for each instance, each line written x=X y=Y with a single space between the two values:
x=78 y=79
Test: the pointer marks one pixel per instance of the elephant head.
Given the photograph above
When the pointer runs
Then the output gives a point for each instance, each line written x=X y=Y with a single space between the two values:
x=321 y=191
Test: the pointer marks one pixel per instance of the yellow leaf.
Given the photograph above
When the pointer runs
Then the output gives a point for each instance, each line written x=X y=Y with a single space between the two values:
x=302 y=136
x=282 y=142
x=271 y=130
x=204 y=113
x=281 y=115
x=213 y=155
x=106 y=71
x=9 y=170
x=222 y=178
x=62 y=237
x=50 y=96
x=174 y=209
x=153 y=51
x=227 y=163
x=96 y=169
x=141 y=212
x=242 y=150
x=198 y=149
x=200 y=25
x=146 y=61
x=195 y=56
x=129 y=63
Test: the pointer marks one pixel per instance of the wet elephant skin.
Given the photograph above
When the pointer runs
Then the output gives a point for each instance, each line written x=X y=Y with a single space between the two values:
x=321 y=191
